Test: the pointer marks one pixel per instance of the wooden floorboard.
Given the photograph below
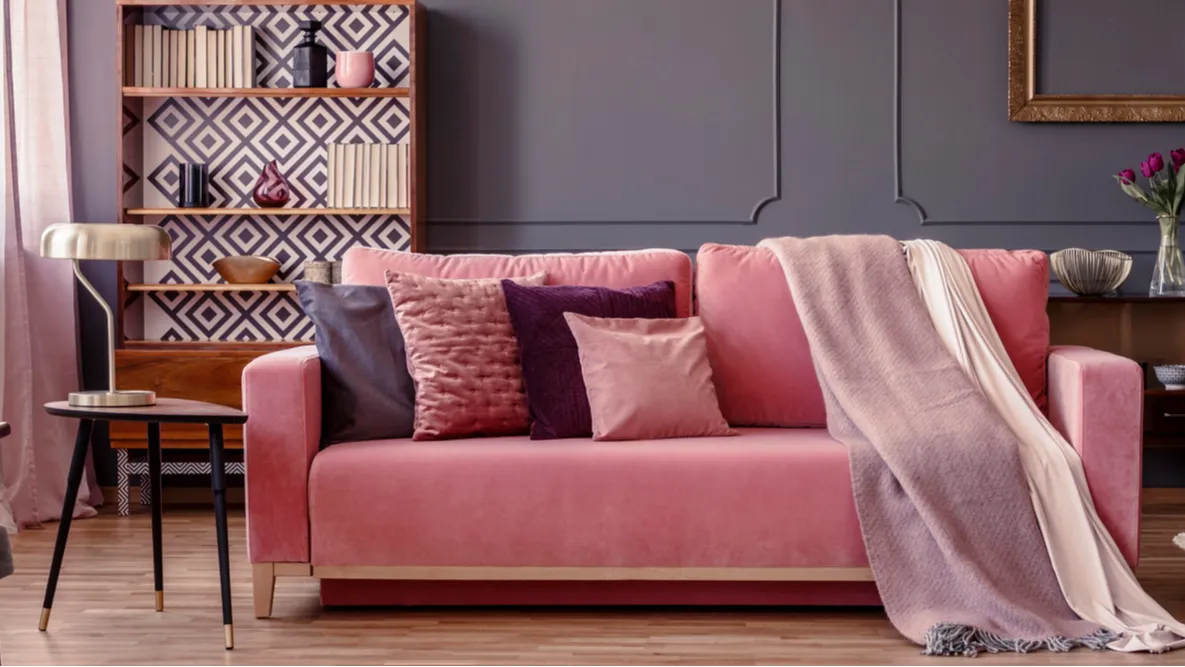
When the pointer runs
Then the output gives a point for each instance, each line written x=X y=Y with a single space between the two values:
x=104 y=614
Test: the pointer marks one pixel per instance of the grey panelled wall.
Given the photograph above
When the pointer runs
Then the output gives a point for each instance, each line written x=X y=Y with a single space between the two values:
x=572 y=125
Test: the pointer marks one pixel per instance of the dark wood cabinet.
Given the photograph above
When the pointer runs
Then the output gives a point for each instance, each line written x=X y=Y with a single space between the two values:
x=1146 y=329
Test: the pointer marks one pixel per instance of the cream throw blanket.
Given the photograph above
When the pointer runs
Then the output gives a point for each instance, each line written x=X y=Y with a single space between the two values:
x=1095 y=579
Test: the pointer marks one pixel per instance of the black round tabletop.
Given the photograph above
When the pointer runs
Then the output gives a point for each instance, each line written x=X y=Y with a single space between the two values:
x=5 y=429
x=166 y=411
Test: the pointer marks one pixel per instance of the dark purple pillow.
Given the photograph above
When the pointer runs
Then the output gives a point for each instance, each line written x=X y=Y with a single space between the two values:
x=366 y=391
x=550 y=358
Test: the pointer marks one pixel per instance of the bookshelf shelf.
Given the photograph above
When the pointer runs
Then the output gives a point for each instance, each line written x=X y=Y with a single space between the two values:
x=213 y=287
x=137 y=91
x=267 y=211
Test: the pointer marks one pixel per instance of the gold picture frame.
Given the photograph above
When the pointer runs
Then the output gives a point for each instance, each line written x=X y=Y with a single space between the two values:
x=1026 y=105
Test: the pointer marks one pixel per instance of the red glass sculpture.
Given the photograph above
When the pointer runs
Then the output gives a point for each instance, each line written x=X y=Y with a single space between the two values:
x=272 y=191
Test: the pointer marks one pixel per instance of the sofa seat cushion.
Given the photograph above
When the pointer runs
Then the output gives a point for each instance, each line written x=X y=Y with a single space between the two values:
x=767 y=498
x=761 y=361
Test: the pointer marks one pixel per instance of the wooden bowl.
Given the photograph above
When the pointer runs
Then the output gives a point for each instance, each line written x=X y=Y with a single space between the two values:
x=1091 y=272
x=246 y=269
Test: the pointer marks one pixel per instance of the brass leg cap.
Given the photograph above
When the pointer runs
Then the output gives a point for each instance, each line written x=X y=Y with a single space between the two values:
x=44 y=620
x=230 y=636
x=160 y=600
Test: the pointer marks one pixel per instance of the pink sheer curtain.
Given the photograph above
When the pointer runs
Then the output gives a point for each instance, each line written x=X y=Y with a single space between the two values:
x=38 y=335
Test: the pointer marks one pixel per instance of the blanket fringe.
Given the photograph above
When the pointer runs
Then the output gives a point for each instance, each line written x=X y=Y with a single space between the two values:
x=955 y=639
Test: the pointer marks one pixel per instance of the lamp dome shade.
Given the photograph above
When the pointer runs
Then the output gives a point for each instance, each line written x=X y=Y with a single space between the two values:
x=78 y=240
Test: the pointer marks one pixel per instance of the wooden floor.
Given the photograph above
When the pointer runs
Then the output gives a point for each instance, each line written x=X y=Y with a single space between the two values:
x=104 y=615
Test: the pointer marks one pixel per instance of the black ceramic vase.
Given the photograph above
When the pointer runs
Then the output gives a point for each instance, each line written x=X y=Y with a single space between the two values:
x=194 y=188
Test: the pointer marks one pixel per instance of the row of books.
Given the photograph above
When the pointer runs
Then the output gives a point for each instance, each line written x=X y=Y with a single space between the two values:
x=369 y=176
x=197 y=58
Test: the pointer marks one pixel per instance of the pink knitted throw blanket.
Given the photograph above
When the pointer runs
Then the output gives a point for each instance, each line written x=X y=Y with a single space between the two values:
x=940 y=491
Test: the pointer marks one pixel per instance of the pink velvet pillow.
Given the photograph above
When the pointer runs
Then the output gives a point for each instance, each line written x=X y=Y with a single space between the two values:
x=462 y=354
x=647 y=378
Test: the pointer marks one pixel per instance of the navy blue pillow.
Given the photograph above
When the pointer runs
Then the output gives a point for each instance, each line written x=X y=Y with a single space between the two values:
x=366 y=391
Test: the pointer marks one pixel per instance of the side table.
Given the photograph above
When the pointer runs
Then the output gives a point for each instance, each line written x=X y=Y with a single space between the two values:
x=166 y=411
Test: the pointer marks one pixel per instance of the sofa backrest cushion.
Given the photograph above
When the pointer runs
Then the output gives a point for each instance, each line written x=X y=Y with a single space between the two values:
x=619 y=270
x=760 y=357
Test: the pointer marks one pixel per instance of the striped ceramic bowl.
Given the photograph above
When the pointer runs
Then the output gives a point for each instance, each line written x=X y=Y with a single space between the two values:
x=1091 y=272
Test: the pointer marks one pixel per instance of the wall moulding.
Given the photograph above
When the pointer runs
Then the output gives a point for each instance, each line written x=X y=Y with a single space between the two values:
x=899 y=195
x=754 y=214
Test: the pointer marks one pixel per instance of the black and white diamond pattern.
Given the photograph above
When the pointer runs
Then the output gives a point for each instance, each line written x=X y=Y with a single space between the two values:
x=383 y=29
x=242 y=317
x=289 y=239
x=251 y=316
x=133 y=137
x=237 y=137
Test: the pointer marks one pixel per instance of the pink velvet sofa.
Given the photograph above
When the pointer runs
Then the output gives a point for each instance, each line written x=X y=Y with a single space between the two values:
x=763 y=518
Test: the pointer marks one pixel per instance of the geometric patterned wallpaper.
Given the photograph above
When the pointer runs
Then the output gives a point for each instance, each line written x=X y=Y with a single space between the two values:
x=225 y=316
x=292 y=239
x=236 y=137
x=251 y=316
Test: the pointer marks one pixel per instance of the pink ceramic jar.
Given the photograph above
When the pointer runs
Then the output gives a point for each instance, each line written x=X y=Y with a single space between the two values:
x=354 y=69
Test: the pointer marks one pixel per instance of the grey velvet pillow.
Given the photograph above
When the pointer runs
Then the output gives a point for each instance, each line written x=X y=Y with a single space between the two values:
x=366 y=391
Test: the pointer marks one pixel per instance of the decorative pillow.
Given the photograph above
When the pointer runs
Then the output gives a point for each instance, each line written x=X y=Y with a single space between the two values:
x=463 y=355
x=551 y=363
x=647 y=379
x=366 y=391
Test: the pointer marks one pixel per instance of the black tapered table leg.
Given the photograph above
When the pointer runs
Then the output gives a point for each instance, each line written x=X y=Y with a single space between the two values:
x=158 y=564
x=73 y=480
x=218 y=482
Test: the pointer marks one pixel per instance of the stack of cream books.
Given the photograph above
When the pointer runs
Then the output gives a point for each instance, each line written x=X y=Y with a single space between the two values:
x=197 y=58
x=369 y=176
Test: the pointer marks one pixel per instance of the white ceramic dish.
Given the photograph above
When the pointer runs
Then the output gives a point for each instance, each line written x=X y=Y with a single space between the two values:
x=1172 y=376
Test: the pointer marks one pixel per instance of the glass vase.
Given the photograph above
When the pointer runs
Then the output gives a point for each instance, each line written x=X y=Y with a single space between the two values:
x=1168 y=278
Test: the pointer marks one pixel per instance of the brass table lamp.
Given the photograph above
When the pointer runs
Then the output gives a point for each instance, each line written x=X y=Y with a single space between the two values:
x=78 y=241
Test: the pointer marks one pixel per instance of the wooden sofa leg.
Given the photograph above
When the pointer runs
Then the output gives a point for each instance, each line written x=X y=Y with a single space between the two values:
x=263 y=581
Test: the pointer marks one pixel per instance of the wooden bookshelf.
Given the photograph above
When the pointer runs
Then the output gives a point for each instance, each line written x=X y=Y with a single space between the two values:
x=212 y=287
x=267 y=211
x=133 y=91
x=192 y=340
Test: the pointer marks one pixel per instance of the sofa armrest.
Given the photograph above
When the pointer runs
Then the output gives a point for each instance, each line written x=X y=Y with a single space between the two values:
x=282 y=398
x=1096 y=400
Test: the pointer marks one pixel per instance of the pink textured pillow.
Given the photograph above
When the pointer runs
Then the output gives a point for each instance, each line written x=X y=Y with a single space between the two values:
x=647 y=379
x=463 y=355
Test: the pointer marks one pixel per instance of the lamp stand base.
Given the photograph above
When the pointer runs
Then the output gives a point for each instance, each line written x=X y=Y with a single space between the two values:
x=112 y=399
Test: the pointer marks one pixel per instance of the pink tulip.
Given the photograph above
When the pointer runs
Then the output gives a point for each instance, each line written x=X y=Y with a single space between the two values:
x=1147 y=169
x=1156 y=161
x=1127 y=176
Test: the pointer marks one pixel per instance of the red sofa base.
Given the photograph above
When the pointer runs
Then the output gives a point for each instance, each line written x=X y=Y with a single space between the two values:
x=387 y=593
